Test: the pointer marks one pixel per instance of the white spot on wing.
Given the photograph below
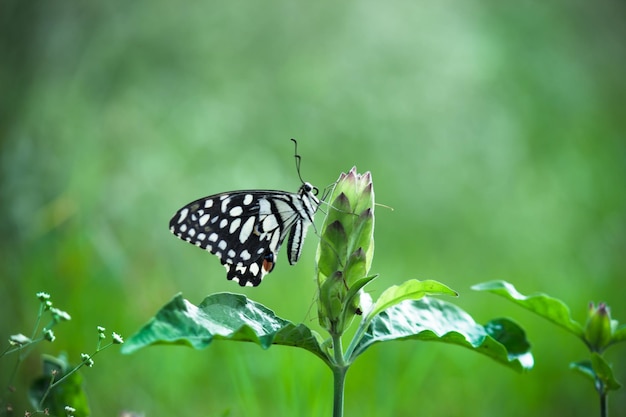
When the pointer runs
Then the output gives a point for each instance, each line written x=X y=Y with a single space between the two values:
x=225 y=203
x=245 y=255
x=222 y=244
x=234 y=225
x=203 y=220
x=213 y=237
x=254 y=269
x=246 y=230
x=236 y=211
x=223 y=223
x=270 y=223
x=247 y=199
x=183 y=227
x=208 y=203
x=264 y=207
x=183 y=214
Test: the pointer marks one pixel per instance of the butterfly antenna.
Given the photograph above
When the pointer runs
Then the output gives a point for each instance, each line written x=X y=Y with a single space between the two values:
x=298 y=159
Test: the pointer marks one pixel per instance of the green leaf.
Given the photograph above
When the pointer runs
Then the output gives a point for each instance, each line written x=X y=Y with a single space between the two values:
x=510 y=334
x=356 y=287
x=604 y=372
x=353 y=301
x=69 y=392
x=543 y=305
x=408 y=290
x=585 y=369
x=222 y=316
x=619 y=335
x=429 y=319
x=597 y=369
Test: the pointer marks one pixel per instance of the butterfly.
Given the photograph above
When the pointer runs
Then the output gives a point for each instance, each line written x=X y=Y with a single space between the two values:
x=245 y=229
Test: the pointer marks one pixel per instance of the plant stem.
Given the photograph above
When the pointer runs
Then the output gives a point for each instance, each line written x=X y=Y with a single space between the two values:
x=338 y=349
x=356 y=339
x=604 y=410
x=45 y=394
x=339 y=378
x=80 y=365
x=41 y=311
x=54 y=383
x=339 y=368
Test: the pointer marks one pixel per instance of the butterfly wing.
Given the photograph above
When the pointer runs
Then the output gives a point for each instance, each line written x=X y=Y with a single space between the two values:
x=245 y=229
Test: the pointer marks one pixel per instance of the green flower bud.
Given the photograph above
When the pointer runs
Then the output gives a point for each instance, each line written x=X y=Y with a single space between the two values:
x=599 y=327
x=346 y=248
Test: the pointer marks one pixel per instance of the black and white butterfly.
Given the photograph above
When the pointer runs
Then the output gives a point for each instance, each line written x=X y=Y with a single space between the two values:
x=245 y=229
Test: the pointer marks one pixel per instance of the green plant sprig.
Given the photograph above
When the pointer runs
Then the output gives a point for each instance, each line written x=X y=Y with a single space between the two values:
x=23 y=345
x=343 y=260
x=86 y=360
x=599 y=332
x=47 y=386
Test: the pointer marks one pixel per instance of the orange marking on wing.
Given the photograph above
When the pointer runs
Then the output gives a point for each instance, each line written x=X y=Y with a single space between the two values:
x=268 y=265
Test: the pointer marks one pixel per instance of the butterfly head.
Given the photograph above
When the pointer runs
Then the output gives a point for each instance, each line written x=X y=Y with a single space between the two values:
x=308 y=188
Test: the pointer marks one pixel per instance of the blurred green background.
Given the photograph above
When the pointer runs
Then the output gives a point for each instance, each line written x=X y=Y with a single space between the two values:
x=495 y=131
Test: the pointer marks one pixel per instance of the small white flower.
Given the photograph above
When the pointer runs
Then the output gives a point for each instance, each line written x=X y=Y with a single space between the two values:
x=49 y=335
x=69 y=410
x=117 y=339
x=19 y=340
x=43 y=296
x=86 y=359
x=60 y=315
